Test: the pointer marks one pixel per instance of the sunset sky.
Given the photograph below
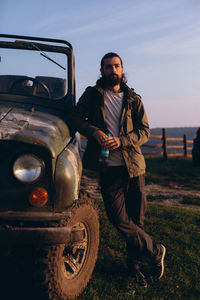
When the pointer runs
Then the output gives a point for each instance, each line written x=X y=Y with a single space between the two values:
x=159 y=42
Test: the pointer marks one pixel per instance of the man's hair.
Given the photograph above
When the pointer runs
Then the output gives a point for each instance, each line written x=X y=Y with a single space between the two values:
x=110 y=55
x=102 y=80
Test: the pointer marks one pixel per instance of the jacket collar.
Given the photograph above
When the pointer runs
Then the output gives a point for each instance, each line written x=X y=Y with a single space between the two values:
x=99 y=89
x=129 y=94
x=127 y=91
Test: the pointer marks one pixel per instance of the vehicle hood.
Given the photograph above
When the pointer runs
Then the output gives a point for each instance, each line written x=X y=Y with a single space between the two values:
x=33 y=127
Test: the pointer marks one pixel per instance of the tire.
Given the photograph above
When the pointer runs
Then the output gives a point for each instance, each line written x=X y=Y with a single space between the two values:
x=66 y=269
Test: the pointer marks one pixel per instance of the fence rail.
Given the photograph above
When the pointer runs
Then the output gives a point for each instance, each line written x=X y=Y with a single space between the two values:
x=164 y=146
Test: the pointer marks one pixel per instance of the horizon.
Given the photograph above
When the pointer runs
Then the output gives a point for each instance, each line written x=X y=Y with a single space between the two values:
x=158 y=42
x=175 y=127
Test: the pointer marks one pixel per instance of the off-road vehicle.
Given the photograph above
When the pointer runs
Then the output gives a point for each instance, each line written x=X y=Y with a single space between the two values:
x=196 y=148
x=49 y=228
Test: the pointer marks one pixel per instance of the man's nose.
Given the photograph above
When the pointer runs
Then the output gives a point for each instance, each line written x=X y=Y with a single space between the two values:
x=113 y=69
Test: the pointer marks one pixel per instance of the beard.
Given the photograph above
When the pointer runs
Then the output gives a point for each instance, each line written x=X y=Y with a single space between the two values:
x=111 y=80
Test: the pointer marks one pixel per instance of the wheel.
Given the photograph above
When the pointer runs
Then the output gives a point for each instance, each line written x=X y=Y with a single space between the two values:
x=68 y=268
x=36 y=82
x=57 y=272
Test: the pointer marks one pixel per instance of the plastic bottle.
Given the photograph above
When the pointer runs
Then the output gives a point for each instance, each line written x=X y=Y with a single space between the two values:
x=105 y=152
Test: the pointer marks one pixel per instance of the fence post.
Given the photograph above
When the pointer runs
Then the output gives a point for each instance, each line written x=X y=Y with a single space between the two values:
x=164 y=143
x=185 y=145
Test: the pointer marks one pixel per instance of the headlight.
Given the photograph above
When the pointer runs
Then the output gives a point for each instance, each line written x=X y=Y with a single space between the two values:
x=28 y=168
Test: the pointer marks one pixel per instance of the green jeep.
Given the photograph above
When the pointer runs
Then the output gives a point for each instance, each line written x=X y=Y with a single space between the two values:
x=49 y=228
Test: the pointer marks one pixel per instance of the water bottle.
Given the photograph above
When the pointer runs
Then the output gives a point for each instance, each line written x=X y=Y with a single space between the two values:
x=105 y=152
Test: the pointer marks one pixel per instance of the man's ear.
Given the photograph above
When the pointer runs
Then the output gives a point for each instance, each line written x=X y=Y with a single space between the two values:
x=101 y=71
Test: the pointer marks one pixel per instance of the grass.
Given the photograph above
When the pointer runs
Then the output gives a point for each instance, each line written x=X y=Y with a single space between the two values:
x=157 y=198
x=176 y=228
x=191 y=200
x=172 y=172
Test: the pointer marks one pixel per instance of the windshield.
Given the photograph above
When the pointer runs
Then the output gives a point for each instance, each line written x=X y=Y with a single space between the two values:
x=33 y=72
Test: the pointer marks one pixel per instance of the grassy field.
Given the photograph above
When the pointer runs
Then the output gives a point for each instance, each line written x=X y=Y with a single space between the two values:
x=177 y=228
x=172 y=172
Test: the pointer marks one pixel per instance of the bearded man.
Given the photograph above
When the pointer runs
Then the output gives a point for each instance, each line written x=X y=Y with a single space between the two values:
x=112 y=107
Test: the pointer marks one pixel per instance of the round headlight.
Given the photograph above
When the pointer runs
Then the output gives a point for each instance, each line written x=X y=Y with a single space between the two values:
x=27 y=168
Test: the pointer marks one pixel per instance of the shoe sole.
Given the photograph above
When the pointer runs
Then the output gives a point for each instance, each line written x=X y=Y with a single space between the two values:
x=162 y=260
x=142 y=283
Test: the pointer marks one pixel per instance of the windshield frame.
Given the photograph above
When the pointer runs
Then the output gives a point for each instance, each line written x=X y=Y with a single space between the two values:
x=31 y=43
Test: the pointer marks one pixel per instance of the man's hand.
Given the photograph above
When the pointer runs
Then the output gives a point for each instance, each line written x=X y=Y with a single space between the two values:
x=105 y=142
x=101 y=137
x=112 y=143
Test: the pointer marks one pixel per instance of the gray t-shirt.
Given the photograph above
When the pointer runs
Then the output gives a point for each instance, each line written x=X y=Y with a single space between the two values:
x=113 y=107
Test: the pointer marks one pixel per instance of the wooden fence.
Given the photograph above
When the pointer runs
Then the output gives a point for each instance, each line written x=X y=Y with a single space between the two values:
x=164 y=146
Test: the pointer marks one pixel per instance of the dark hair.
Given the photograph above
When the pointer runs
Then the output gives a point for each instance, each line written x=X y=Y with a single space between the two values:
x=110 y=55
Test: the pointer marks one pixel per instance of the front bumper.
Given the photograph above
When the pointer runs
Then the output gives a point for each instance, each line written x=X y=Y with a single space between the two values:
x=37 y=235
x=40 y=236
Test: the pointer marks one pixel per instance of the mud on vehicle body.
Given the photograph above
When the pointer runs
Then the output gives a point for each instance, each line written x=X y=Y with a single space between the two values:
x=49 y=229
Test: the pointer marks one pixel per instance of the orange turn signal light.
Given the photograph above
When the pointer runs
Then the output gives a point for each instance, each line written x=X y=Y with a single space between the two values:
x=38 y=197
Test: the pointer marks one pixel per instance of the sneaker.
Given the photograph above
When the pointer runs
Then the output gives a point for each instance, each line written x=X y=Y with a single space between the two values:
x=158 y=262
x=139 y=277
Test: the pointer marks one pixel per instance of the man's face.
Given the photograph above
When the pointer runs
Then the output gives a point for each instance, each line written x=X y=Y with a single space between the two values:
x=112 y=70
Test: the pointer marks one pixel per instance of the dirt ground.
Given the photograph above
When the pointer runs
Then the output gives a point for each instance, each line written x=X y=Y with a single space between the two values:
x=155 y=193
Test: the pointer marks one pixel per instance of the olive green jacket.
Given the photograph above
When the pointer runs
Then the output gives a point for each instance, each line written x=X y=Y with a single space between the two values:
x=89 y=116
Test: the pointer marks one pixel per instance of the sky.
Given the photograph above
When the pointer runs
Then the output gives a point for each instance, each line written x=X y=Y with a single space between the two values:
x=158 y=41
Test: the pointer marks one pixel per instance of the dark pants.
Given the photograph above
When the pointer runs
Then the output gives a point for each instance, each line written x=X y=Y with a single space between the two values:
x=125 y=204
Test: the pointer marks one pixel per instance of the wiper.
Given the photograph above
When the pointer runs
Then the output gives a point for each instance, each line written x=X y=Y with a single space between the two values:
x=41 y=52
x=46 y=56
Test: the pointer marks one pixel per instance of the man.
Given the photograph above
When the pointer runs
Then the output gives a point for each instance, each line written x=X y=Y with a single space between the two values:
x=112 y=107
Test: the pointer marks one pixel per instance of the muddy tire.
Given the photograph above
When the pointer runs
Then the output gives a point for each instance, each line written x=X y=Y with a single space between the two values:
x=67 y=268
